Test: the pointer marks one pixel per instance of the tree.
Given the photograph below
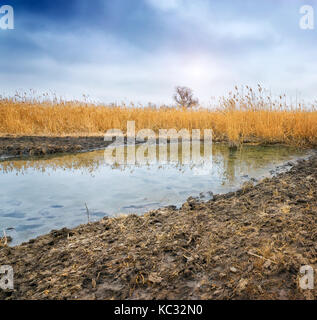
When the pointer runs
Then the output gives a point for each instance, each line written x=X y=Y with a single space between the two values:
x=184 y=97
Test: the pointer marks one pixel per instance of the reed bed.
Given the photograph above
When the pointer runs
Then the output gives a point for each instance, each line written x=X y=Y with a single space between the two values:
x=238 y=118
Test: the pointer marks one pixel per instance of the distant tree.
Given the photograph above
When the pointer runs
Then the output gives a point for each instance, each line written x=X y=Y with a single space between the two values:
x=184 y=97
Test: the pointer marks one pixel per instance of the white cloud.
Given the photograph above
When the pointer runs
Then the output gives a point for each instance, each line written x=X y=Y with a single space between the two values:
x=220 y=51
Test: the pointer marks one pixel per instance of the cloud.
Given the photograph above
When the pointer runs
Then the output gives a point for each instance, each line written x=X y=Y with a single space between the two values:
x=140 y=50
x=165 y=5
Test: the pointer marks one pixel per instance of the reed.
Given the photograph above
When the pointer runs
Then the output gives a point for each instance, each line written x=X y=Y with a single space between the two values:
x=240 y=117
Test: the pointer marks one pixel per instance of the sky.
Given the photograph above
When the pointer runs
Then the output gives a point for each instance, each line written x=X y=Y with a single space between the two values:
x=139 y=50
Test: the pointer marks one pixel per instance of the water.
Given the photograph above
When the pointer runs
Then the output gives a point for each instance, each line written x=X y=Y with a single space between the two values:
x=38 y=195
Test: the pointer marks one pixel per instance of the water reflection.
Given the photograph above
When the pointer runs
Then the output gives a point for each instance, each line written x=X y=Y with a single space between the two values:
x=247 y=157
x=38 y=195
x=169 y=155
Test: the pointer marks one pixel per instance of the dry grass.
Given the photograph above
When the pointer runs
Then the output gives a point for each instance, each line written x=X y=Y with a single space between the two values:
x=239 y=117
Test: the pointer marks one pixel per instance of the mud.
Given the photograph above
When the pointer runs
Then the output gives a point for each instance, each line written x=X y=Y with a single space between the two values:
x=12 y=146
x=248 y=244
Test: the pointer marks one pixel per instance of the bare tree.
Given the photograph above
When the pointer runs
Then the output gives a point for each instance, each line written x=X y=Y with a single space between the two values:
x=184 y=97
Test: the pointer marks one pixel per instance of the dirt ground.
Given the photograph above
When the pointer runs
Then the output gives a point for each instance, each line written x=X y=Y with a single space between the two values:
x=248 y=244
x=38 y=146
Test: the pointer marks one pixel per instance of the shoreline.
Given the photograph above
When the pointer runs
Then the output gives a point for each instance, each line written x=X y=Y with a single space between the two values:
x=247 y=244
x=28 y=146
x=18 y=147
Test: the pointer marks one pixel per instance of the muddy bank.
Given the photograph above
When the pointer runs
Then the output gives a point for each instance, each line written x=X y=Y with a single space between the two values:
x=248 y=244
x=26 y=146
x=39 y=146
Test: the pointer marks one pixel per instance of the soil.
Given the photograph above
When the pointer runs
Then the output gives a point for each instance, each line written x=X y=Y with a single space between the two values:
x=248 y=244
x=11 y=146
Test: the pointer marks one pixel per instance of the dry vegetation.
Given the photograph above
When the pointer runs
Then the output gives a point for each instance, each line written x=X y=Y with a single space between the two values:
x=240 y=117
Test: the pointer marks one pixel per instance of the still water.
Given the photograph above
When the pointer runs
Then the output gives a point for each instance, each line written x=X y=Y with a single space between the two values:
x=38 y=195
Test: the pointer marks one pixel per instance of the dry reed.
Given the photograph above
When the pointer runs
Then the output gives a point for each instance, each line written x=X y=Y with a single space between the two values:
x=240 y=117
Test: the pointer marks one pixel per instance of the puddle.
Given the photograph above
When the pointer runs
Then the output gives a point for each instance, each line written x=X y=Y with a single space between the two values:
x=38 y=195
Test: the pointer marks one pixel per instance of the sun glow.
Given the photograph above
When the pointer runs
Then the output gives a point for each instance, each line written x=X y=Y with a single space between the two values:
x=197 y=71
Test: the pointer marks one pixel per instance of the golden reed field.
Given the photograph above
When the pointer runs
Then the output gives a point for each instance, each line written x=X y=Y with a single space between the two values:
x=238 y=118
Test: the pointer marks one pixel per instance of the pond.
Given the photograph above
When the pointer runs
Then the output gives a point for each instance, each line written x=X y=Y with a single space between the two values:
x=41 y=194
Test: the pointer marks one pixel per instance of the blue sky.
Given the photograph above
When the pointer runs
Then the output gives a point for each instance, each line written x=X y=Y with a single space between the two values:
x=139 y=50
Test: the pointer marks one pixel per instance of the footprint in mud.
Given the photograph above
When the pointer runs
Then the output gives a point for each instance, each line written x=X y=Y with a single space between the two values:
x=133 y=207
x=99 y=214
x=28 y=227
x=33 y=219
x=14 y=214
x=47 y=214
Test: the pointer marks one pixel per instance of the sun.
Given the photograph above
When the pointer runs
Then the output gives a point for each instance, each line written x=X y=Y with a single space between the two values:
x=196 y=71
